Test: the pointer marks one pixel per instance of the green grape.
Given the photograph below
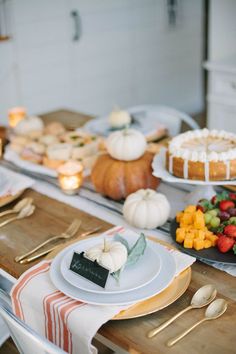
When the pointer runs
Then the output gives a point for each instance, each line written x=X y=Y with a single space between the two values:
x=215 y=222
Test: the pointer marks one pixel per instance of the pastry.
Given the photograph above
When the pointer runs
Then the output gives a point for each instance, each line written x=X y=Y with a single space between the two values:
x=57 y=154
x=119 y=119
x=18 y=143
x=54 y=128
x=79 y=152
x=202 y=155
x=33 y=152
x=48 y=139
x=29 y=126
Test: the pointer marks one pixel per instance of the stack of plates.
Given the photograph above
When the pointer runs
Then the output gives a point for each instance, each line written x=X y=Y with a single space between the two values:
x=153 y=273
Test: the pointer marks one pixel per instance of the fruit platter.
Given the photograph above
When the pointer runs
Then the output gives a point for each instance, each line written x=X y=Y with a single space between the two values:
x=207 y=230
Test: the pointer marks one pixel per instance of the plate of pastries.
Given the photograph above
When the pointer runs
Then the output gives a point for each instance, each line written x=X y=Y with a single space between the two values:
x=45 y=147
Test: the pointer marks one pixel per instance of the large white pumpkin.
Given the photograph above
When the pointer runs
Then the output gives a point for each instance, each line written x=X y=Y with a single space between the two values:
x=146 y=209
x=126 y=145
x=111 y=255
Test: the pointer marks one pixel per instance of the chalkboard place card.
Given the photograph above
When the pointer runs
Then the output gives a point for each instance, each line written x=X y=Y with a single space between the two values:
x=88 y=269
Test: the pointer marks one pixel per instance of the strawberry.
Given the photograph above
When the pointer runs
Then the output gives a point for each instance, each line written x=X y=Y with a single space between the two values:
x=230 y=230
x=225 y=243
x=200 y=207
x=232 y=196
x=214 y=200
x=226 y=204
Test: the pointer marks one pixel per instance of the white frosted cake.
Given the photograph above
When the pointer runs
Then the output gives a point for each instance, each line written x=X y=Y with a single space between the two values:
x=203 y=155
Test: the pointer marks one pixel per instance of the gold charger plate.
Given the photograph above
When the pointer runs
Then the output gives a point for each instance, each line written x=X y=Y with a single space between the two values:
x=165 y=298
x=10 y=198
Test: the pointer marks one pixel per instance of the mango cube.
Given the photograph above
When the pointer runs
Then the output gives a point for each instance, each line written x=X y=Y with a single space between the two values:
x=180 y=235
x=188 y=243
x=190 y=209
x=198 y=244
x=213 y=238
x=179 y=216
x=201 y=234
x=187 y=219
x=199 y=221
x=207 y=244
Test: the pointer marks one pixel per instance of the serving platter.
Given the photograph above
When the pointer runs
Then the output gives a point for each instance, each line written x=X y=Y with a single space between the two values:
x=148 y=267
x=161 y=282
x=211 y=254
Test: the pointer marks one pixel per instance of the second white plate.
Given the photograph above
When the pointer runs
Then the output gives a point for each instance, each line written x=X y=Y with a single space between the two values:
x=132 y=277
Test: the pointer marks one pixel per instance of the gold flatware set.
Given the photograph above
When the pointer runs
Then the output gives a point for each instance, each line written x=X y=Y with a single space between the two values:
x=203 y=297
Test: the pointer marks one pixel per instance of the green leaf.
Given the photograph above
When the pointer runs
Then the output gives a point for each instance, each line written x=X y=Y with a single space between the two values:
x=137 y=250
x=123 y=241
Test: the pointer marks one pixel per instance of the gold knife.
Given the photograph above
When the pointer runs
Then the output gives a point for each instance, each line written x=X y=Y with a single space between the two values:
x=43 y=253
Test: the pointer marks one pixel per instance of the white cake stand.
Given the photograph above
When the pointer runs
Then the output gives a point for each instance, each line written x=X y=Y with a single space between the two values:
x=202 y=189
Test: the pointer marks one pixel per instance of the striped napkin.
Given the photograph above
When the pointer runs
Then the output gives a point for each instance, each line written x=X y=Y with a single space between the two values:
x=68 y=323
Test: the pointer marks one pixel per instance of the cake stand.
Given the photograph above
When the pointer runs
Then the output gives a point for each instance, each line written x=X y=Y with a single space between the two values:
x=203 y=189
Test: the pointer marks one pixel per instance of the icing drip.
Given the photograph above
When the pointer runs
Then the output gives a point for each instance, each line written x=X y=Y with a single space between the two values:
x=227 y=164
x=186 y=169
x=206 y=168
x=171 y=164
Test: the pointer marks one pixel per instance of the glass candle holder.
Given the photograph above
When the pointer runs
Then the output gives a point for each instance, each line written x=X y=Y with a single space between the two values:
x=70 y=177
x=15 y=115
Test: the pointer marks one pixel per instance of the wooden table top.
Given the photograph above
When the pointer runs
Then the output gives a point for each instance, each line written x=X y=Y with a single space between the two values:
x=218 y=336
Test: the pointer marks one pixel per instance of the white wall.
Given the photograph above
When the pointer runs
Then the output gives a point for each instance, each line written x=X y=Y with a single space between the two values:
x=127 y=55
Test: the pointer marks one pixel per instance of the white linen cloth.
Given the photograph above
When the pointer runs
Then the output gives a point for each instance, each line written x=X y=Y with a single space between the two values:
x=68 y=323
x=15 y=182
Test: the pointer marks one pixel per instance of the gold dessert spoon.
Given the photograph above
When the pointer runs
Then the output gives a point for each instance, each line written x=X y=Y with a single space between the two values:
x=201 y=298
x=24 y=213
x=213 y=311
x=17 y=207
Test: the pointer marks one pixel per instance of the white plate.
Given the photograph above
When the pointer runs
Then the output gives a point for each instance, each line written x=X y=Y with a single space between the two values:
x=148 y=267
x=148 y=119
x=157 y=285
x=159 y=170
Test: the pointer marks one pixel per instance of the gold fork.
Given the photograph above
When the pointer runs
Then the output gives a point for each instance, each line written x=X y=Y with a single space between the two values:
x=70 y=232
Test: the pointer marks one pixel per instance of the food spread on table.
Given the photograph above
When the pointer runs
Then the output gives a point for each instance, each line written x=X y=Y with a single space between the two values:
x=207 y=155
x=52 y=145
x=210 y=223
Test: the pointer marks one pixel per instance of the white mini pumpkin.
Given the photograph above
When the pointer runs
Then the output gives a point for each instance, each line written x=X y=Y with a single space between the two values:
x=119 y=118
x=126 y=145
x=146 y=209
x=111 y=255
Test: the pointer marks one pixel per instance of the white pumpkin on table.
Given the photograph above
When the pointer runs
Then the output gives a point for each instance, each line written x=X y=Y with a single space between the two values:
x=126 y=145
x=119 y=119
x=146 y=209
x=111 y=255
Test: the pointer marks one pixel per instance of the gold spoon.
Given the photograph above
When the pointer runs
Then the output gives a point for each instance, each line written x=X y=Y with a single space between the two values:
x=24 y=213
x=17 y=207
x=201 y=298
x=213 y=311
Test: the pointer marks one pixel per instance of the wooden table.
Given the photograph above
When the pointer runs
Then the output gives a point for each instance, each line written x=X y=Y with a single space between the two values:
x=216 y=337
